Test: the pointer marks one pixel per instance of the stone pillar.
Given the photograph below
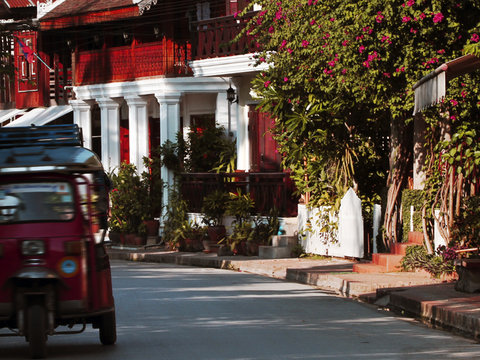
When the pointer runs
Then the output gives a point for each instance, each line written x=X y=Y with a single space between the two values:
x=82 y=116
x=138 y=130
x=110 y=130
x=169 y=127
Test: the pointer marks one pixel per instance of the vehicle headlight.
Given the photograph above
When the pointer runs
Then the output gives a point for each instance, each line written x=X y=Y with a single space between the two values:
x=33 y=247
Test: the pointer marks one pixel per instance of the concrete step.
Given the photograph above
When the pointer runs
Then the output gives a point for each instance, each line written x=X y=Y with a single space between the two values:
x=415 y=237
x=391 y=262
x=274 y=252
x=284 y=241
x=368 y=268
x=400 y=248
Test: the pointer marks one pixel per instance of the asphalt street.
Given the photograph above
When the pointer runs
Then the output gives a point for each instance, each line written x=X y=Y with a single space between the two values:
x=174 y=312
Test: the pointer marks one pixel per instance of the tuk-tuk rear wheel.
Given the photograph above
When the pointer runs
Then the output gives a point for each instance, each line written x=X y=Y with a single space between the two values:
x=108 y=328
x=37 y=333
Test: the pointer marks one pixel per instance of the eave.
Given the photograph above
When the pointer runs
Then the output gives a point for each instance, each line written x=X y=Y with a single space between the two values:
x=89 y=18
x=431 y=89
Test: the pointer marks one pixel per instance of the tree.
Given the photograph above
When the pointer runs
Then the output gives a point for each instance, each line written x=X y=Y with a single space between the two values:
x=339 y=86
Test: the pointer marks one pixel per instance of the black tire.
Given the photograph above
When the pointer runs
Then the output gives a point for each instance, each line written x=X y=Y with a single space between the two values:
x=108 y=328
x=37 y=331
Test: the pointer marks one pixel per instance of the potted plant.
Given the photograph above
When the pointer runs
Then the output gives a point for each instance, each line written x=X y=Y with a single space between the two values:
x=263 y=230
x=175 y=217
x=188 y=237
x=241 y=206
x=128 y=198
x=213 y=210
x=153 y=187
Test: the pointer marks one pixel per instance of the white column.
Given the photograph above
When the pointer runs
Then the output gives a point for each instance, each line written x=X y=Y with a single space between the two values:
x=221 y=112
x=239 y=113
x=169 y=127
x=110 y=130
x=138 y=130
x=82 y=116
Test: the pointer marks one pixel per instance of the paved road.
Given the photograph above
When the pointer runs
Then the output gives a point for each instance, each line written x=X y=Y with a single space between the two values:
x=172 y=312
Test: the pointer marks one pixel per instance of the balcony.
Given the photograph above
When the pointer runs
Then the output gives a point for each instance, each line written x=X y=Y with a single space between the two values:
x=215 y=37
x=268 y=190
x=127 y=63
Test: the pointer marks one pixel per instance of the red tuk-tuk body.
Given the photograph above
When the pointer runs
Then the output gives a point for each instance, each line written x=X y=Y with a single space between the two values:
x=54 y=267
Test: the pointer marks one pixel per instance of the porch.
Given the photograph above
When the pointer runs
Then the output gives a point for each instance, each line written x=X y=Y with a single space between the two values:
x=128 y=63
x=268 y=190
x=214 y=38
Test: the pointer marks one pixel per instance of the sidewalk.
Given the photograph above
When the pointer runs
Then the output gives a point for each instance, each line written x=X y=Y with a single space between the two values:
x=413 y=294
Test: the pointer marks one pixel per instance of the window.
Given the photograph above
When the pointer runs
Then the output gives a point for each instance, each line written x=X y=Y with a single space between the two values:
x=36 y=201
x=27 y=68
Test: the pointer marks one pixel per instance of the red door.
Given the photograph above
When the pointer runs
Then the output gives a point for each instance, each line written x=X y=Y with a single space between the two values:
x=124 y=142
x=264 y=156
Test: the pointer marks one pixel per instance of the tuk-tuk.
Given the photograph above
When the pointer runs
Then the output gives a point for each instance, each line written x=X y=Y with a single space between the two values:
x=53 y=210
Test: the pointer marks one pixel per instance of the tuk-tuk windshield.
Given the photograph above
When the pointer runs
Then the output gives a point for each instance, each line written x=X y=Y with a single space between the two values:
x=36 y=201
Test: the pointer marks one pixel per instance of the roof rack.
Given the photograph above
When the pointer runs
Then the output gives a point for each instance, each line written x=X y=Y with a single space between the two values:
x=47 y=135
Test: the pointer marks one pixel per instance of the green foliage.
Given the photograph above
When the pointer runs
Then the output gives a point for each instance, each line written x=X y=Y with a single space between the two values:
x=128 y=198
x=417 y=258
x=214 y=207
x=264 y=228
x=343 y=72
x=175 y=216
x=416 y=199
x=153 y=185
x=241 y=206
x=209 y=149
x=466 y=228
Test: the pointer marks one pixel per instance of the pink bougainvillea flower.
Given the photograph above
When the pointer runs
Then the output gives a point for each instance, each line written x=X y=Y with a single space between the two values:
x=344 y=71
x=271 y=29
x=345 y=43
x=406 y=19
x=438 y=17
x=422 y=16
x=454 y=102
x=305 y=43
x=236 y=14
x=290 y=50
x=453 y=117
x=385 y=38
x=379 y=18
x=475 y=37
x=464 y=94
x=366 y=64
x=285 y=79
x=441 y=51
x=361 y=49
x=386 y=74
x=331 y=63
x=279 y=14
x=410 y=2
x=312 y=22
x=267 y=83
x=283 y=44
x=413 y=31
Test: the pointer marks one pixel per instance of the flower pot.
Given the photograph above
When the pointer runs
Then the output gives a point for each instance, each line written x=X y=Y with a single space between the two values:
x=152 y=227
x=115 y=237
x=216 y=233
x=134 y=239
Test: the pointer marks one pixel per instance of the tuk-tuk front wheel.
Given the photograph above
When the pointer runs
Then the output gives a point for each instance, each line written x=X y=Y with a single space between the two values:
x=37 y=330
x=108 y=328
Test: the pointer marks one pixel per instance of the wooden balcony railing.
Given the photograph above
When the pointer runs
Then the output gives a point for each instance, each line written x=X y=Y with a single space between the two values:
x=215 y=37
x=127 y=63
x=268 y=190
